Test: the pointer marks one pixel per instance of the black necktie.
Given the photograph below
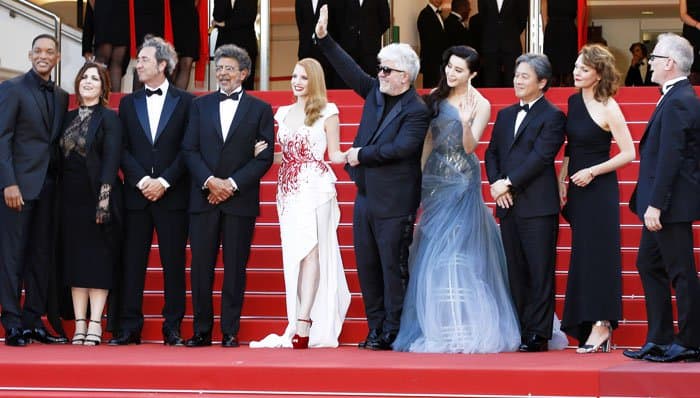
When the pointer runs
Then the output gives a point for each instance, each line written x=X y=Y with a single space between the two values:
x=233 y=96
x=524 y=107
x=157 y=91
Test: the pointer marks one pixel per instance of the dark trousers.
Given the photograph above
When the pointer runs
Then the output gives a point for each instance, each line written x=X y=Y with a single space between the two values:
x=530 y=245
x=498 y=69
x=171 y=227
x=381 y=250
x=665 y=259
x=26 y=253
x=235 y=234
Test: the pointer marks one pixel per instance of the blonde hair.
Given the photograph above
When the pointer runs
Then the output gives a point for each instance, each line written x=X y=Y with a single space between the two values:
x=602 y=60
x=316 y=98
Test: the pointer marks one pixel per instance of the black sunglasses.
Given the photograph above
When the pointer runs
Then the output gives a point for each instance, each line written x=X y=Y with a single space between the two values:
x=387 y=70
x=654 y=56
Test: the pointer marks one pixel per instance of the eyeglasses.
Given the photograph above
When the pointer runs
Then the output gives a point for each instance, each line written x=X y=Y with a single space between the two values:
x=387 y=70
x=654 y=56
x=227 y=68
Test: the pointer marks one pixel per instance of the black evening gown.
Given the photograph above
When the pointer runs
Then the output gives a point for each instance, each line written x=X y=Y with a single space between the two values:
x=87 y=257
x=111 y=22
x=185 y=23
x=594 y=285
x=692 y=33
x=560 y=36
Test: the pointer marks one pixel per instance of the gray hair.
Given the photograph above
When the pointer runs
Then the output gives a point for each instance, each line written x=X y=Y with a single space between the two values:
x=164 y=52
x=679 y=49
x=235 y=52
x=403 y=55
x=540 y=64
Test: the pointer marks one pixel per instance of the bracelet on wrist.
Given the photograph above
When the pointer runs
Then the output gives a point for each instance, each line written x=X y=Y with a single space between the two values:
x=590 y=171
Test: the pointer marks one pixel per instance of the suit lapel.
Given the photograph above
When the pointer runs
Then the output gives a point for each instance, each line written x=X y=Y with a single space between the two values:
x=92 y=128
x=393 y=113
x=215 y=116
x=531 y=114
x=171 y=101
x=242 y=109
x=58 y=113
x=142 y=113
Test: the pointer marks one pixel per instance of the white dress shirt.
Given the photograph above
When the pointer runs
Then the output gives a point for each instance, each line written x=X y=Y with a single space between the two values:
x=499 y=3
x=437 y=15
x=154 y=106
x=521 y=115
x=667 y=86
x=227 y=111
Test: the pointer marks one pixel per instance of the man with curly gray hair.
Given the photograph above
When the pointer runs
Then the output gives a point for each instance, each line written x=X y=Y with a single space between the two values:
x=156 y=191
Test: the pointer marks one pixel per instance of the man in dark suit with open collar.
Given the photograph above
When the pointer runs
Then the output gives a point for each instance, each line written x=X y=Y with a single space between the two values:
x=32 y=108
x=225 y=195
x=157 y=191
x=520 y=167
x=384 y=163
x=502 y=23
x=667 y=200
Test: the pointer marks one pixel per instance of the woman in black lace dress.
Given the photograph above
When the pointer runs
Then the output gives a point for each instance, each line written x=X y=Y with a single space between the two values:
x=90 y=149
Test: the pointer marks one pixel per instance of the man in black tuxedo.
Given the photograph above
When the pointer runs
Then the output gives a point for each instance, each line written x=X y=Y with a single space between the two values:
x=520 y=167
x=235 y=22
x=502 y=23
x=157 y=191
x=639 y=72
x=359 y=26
x=224 y=200
x=384 y=163
x=667 y=200
x=438 y=29
x=306 y=13
x=32 y=107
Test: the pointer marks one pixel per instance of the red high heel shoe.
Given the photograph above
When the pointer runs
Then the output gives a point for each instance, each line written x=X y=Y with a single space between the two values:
x=299 y=342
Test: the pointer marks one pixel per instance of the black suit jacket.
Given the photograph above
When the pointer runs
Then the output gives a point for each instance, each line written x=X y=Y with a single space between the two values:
x=358 y=29
x=163 y=158
x=669 y=168
x=240 y=25
x=501 y=30
x=207 y=154
x=389 y=172
x=527 y=158
x=434 y=40
x=634 y=77
x=306 y=18
x=28 y=139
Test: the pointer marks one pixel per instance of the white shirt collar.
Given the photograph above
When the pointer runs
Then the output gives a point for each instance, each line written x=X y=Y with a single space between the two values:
x=163 y=87
x=668 y=84
x=531 y=103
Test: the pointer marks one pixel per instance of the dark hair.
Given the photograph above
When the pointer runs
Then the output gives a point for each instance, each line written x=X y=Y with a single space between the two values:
x=469 y=55
x=645 y=52
x=539 y=64
x=46 y=36
x=234 y=52
x=104 y=78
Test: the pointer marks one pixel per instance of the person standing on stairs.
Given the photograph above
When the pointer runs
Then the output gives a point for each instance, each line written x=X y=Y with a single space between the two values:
x=309 y=214
x=225 y=191
x=384 y=163
x=156 y=192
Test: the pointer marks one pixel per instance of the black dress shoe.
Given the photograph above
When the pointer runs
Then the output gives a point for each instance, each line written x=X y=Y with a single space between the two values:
x=229 y=341
x=172 y=337
x=676 y=353
x=383 y=343
x=372 y=337
x=15 y=338
x=125 y=338
x=534 y=343
x=647 y=349
x=199 y=340
x=43 y=336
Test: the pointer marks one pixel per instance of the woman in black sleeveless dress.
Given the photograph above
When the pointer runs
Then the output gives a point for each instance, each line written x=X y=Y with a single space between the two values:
x=593 y=295
x=690 y=15
x=560 y=38
x=111 y=27
x=185 y=21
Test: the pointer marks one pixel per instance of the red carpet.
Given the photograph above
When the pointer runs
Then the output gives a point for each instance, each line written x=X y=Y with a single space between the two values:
x=166 y=371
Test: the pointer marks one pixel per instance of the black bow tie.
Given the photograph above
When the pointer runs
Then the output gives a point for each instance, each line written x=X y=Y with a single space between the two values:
x=233 y=96
x=157 y=91
x=46 y=86
x=525 y=107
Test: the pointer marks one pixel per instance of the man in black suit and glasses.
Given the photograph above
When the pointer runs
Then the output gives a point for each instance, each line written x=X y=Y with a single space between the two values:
x=667 y=200
x=384 y=163
x=156 y=192
x=32 y=107
x=520 y=167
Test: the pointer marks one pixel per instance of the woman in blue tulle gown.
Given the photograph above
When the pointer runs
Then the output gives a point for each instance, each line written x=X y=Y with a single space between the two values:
x=458 y=299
